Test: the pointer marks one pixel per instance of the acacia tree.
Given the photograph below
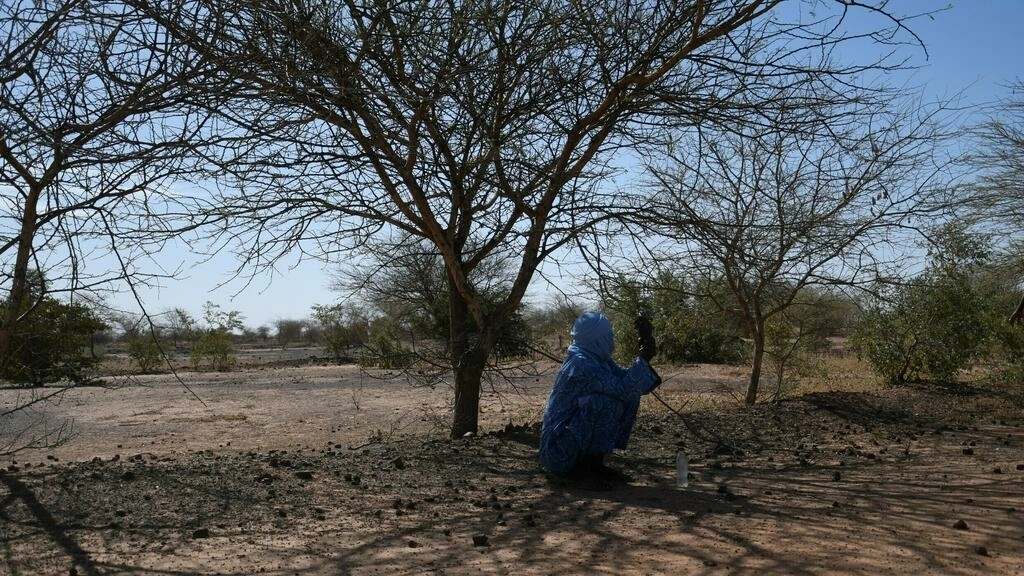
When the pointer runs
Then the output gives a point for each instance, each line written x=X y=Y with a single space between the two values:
x=999 y=194
x=86 y=137
x=484 y=128
x=815 y=198
x=88 y=131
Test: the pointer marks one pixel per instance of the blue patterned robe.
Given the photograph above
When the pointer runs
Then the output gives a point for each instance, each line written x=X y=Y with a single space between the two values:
x=594 y=401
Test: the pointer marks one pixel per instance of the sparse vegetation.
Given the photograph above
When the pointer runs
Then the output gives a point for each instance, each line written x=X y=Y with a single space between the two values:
x=145 y=352
x=51 y=342
x=214 y=345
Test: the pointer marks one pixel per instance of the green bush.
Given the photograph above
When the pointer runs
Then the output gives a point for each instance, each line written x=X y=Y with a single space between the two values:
x=936 y=326
x=146 y=352
x=340 y=330
x=50 y=344
x=688 y=328
x=214 y=348
x=386 y=352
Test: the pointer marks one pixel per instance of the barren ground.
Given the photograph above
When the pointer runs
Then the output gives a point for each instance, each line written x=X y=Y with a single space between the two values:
x=317 y=470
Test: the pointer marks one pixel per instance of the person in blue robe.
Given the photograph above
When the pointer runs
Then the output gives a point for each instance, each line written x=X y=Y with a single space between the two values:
x=594 y=403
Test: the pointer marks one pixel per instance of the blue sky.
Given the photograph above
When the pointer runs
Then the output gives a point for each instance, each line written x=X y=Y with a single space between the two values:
x=974 y=48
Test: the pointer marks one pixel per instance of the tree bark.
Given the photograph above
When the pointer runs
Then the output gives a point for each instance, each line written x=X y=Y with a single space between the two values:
x=468 y=374
x=468 y=361
x=1018 y=313
x=19 y=275
x=755 y=366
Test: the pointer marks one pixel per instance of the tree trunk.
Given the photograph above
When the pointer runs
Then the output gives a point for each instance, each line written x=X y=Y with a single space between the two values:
x=755 y=366
x=19 y=275
x=468 y=360
x=468 y=374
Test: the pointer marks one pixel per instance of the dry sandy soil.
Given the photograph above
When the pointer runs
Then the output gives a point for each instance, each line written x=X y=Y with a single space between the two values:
x=317 y=470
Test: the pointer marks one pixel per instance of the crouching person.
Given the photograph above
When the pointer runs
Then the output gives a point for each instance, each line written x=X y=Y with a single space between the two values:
x=593 y=404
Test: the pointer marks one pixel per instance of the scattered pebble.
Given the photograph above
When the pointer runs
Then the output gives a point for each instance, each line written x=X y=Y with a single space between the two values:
x=480 y=540
x=981 y=550
x=201 y=533
x=960 y=525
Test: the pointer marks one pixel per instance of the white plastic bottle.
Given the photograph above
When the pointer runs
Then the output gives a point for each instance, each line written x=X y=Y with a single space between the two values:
x=682 y=470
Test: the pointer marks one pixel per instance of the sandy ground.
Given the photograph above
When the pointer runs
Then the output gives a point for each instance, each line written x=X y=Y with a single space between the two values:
x=331 y=470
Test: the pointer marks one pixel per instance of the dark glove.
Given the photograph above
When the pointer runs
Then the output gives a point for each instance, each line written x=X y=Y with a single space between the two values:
x=645 y=338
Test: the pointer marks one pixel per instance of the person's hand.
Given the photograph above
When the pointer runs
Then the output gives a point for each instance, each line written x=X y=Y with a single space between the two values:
x=645 y=338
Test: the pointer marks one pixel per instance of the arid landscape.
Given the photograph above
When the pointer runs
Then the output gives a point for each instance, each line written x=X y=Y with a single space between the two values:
x=310 y=469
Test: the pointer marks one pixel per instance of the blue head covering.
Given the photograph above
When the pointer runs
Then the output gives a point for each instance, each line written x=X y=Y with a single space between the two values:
x=593 y=332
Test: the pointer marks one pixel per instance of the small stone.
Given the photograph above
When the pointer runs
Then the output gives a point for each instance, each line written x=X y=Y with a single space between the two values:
x=398 y=463
x=414 y=544
x=128 y=476
x=997 y=470
x=1020 y=466
x=201 y=533
x=960 y=525
x=480 y=540
x=968 y=451
x=304 y=474
x=836 y=476
x=981 y=551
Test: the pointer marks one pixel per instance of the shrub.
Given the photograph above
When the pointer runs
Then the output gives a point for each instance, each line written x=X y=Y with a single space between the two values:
x=51 y=343
x=384 y=351
x=146 y=352
x=937 y=325
x=688 y=327
x=214 y=347
x=340 y=330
